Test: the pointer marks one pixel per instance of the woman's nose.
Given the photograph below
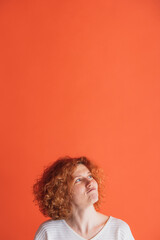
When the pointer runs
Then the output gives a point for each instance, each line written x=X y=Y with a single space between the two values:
x=89 y=183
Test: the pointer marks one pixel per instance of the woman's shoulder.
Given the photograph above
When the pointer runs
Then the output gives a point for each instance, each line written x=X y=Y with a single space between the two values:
x=118 y=222
x=47 y=227
x=121 y=226
x=50 y=224
x=114 y=220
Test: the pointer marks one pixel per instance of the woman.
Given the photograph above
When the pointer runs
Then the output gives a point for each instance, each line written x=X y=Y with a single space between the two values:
x=69 y=192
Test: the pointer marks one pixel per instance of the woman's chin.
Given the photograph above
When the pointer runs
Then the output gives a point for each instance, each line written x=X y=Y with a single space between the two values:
x=94 y=197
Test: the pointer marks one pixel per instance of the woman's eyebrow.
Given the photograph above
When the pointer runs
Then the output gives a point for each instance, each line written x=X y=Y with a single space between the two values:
x=81 y=175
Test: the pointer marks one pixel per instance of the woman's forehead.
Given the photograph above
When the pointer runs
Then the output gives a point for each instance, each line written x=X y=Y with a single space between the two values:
x=80 y=170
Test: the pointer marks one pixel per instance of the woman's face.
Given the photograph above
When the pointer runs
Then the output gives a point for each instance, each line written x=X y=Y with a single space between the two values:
x=85 y=187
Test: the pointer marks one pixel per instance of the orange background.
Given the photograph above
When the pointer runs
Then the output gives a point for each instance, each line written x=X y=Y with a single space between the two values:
x=81 y=78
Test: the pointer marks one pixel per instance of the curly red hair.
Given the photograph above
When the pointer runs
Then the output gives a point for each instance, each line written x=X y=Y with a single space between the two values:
x=52 y=191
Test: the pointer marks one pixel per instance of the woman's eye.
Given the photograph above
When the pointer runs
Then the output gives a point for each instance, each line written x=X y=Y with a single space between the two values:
x=78 y=180
x=90 y=176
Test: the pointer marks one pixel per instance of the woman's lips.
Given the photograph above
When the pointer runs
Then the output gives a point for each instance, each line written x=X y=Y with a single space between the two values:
x=91 y=190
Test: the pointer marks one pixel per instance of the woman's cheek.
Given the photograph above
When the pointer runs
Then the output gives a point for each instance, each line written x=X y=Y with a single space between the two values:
x=76 y=189
x=95 y=184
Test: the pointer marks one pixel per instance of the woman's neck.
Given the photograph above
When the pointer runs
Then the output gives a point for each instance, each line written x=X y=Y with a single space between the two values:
x=82 y=220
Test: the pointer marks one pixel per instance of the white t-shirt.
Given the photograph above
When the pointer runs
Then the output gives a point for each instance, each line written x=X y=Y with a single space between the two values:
x=114 y=229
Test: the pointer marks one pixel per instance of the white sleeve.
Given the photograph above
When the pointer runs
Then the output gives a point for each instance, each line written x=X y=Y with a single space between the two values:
x=128 y=233
x=41 y=234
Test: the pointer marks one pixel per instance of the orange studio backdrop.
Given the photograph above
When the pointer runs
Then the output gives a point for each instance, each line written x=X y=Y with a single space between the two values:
x=81 y=78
